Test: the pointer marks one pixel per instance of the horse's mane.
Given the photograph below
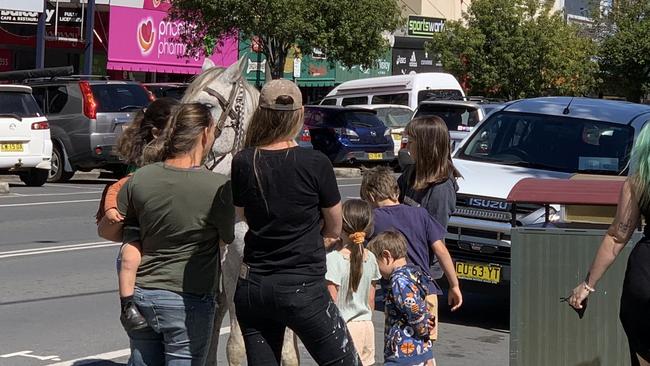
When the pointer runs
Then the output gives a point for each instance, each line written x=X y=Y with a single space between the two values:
x=205 y=78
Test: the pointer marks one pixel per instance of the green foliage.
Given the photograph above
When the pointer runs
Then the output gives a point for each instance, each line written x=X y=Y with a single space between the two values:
x=625 y=48
x=516 y=48
x=348 y=31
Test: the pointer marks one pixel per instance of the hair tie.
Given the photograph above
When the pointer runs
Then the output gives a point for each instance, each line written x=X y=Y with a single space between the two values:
x=358 y=238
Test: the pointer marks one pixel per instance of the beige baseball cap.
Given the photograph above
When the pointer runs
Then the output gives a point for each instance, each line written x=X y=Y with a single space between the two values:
x=288 y=92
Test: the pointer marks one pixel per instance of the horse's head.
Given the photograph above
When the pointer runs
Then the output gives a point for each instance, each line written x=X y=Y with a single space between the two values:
x=233 y=102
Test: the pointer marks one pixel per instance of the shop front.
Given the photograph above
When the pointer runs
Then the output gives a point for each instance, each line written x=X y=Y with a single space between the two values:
x=409 y=54
x=144 y=45
x=64 y=43
x=314 y=73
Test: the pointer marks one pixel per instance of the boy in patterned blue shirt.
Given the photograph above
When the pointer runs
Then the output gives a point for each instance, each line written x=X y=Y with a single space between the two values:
x=406 y=339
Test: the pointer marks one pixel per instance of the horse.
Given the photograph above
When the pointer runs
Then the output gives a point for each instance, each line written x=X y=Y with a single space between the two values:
x=233 y=101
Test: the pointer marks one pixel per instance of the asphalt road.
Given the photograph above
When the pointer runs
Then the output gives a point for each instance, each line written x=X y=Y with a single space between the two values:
x=58 y=299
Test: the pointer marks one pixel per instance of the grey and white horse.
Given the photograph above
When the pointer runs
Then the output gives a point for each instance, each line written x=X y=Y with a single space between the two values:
x=234 y=101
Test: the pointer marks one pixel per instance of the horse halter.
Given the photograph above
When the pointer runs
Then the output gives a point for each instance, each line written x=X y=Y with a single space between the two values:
x=232 y=108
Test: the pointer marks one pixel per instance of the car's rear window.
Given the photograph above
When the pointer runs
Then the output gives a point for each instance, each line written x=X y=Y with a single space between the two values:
x=361 y=119
x=169 y=92
x=457 y=117
x=19 y=104
x=112 y=98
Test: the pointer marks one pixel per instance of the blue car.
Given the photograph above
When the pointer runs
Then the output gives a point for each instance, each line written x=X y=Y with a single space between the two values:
x=347 y=134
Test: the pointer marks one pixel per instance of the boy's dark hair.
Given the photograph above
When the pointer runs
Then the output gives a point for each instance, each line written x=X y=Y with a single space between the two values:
x=392 y=241
x=379 y=184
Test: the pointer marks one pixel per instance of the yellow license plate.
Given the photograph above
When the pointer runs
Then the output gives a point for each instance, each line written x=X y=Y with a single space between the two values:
x=375 y=156
x=397 y=137
x=11 y=147
x=478 y=272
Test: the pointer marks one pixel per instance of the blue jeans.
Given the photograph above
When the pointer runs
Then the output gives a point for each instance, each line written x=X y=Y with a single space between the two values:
x=180 y=327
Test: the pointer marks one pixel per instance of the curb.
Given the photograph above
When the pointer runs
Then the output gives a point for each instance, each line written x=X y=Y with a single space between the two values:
x=347 y=172
x=4 y=188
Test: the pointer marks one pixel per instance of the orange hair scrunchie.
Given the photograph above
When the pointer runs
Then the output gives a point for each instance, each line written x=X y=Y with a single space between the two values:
x=358 y=238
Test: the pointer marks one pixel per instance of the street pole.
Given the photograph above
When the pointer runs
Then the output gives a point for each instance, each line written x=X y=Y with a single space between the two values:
x=259 y=66
x=40 y=38
x=89 y=36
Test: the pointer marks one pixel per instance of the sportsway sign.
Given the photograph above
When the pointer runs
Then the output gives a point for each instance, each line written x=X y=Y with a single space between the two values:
x=423 y=26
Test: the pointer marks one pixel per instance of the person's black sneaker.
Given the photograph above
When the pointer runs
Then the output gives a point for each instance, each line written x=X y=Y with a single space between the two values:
x=130 y=316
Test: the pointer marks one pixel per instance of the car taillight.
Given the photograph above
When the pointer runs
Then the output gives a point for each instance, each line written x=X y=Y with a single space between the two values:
x=346 y=132
x=90 y=105
x=405 y=142
x=149 y=93
x=40 y=126
x=305 y=136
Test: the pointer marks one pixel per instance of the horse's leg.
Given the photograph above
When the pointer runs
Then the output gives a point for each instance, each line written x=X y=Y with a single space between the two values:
x=222 y=308
x=290 y=352
x=235 y=350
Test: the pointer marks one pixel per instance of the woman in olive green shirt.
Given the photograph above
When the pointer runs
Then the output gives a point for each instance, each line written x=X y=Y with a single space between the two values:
x=177 y=211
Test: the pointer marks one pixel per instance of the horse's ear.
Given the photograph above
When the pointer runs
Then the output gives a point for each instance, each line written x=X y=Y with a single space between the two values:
x=236 y=70
x=207 y=64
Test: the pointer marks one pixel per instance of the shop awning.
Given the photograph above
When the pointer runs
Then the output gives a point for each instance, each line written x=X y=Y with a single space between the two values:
x=145 y=67
x=314 y=83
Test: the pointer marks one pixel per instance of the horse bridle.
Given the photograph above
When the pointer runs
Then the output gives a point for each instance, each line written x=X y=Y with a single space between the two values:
x=232 y=108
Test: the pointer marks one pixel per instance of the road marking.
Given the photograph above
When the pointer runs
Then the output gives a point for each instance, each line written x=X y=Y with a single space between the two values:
x=109 y=355
x=20 y=195
x=28 y=354
x=75 y=187
x=68 y=249
x=55 y=247
x=48 y=203
x=349 y=185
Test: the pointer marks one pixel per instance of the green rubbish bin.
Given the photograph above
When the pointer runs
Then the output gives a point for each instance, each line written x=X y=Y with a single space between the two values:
x=547 y=263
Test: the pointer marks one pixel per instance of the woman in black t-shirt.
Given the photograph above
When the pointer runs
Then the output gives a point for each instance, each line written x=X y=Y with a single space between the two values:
x=284 y=192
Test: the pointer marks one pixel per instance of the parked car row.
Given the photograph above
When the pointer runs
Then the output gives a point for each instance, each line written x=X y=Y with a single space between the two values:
x=71 y=123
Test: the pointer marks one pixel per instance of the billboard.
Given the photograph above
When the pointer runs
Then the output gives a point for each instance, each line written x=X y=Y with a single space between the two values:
x=142 y=39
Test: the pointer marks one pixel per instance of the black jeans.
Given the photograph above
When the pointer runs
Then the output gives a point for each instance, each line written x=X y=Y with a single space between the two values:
x=267 y=304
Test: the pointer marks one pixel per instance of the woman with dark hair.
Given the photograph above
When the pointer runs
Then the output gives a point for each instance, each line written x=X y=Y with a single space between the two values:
x=431 y=181
x=178 y=213
x=284 y=192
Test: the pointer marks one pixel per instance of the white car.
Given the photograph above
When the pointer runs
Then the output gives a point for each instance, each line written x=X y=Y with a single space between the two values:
x=25 y=144
x=552 y=137
x=394 y=116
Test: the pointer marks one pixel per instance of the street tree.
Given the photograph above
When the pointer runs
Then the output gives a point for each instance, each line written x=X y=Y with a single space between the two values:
x=516 y=48
x=624 y=54
x=348 y=31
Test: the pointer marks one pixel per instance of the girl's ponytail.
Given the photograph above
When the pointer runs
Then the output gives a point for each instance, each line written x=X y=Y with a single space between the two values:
x=357 y=224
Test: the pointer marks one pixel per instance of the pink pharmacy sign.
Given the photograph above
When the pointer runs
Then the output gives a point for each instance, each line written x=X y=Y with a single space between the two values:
x=144 y=40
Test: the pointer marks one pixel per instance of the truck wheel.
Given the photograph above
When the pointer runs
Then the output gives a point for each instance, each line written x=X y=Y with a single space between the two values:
x=57 y=172
x=34 y=177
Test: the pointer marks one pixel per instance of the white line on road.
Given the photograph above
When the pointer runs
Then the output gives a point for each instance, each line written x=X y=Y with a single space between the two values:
x=55 y=247
x=96 y=246
x=48 y=203
x=20 y=195
x=69 y=186
x=349 y=185
x=109 y=355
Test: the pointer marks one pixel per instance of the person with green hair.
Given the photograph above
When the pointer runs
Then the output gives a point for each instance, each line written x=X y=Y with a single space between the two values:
x=633 y=203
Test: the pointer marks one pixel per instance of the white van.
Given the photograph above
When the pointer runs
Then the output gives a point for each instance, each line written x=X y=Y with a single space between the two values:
x=408 y=90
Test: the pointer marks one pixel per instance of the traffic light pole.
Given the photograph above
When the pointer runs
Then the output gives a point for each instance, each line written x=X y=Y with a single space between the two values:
x=40 y=38
x=89 y=37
